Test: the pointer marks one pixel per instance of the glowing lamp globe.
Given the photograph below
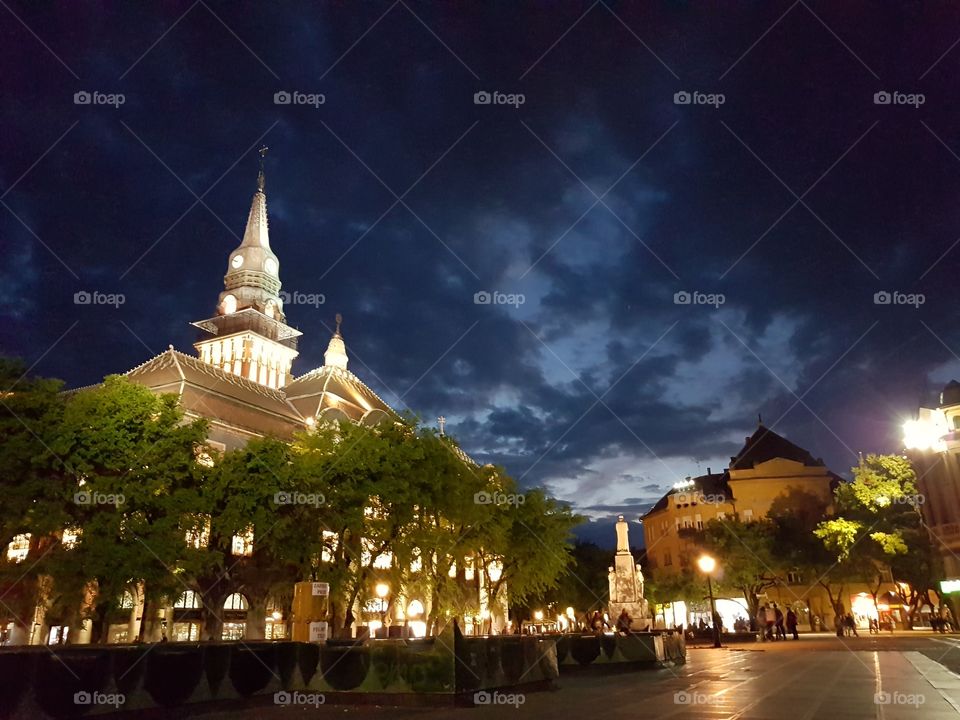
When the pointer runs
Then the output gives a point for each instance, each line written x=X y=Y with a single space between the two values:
x=706 y=564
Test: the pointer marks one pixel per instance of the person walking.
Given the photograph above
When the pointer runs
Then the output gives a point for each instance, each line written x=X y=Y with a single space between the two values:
x=792 y=623
x=851 y=625
x=770 y=620
x=778 y=621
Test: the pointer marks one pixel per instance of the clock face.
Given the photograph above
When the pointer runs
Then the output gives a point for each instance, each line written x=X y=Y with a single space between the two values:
x=237 y=261
x=271 y=266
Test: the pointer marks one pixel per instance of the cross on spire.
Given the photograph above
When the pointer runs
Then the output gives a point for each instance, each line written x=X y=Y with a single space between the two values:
x=441 y=421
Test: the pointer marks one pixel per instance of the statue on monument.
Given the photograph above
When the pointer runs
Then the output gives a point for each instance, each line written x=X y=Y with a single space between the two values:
x=626 y=583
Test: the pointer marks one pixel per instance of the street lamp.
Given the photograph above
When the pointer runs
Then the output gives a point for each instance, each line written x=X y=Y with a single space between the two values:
x=707 y=565
x=382 y=591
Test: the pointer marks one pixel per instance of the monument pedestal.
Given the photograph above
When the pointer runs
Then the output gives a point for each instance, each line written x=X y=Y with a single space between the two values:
x=626 y=585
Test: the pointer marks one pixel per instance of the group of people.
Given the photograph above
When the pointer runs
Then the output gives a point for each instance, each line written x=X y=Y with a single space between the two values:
x=597 y=622
x=774 y=624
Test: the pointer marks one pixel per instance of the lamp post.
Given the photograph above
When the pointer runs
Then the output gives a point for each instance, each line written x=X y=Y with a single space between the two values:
x=707 y=565
x=382 y=591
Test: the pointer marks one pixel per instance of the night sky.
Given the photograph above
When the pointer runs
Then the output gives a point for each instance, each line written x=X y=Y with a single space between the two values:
x=598 y=199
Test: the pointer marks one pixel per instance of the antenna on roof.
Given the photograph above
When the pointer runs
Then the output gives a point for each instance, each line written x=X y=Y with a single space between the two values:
x=759 y=419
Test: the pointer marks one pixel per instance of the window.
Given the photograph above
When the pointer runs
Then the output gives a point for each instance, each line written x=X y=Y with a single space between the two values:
x=956 y=422
x=794 y=577
x=243 y=544
x=70 y=537
x=189 y=600
x=198 y=536
x=126 y=601
x=666 y=558
x=18 y=548
x=747 y=515
x=699 y=521
x=687 y=523
x=329 y=546
x=721 y=515
x=233 y=631
x=235 y=602
x=186 y=632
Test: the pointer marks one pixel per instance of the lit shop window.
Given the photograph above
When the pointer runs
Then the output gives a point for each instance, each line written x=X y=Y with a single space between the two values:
x=199 y=535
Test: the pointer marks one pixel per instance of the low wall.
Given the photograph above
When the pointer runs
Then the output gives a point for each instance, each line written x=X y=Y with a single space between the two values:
x=81 y=681
x=633 y=650
x=505 y=661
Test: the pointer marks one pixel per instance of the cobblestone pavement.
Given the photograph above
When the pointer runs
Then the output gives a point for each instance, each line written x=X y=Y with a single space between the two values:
x=819 y=676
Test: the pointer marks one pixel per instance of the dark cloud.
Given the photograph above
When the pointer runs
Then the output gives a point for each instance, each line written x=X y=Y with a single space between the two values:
x=598 y=386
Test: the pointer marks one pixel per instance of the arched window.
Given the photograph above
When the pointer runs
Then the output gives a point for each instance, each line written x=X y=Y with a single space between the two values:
x=126 y=600
x=189 y=600
x=229 y=305
x=236 y=601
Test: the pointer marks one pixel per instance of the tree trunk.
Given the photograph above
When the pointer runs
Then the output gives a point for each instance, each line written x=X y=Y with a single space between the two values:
x=144 y=619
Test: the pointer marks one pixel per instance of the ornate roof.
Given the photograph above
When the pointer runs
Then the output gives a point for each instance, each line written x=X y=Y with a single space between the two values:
x=207 y=391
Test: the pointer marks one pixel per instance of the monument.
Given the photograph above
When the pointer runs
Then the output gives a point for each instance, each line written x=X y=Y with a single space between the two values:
x=626 y=584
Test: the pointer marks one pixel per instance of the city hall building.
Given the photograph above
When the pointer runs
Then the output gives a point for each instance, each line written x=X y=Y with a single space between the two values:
x=242 y=382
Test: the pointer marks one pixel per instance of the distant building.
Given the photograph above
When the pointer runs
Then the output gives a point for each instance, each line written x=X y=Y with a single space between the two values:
x=767 y=469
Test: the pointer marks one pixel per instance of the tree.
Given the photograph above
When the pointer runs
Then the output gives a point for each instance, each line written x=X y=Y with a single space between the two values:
x=133 y=461
x=747 y=555
x=877 y=523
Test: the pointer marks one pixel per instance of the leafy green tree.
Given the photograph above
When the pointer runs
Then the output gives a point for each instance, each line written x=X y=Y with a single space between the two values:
x=135 y=475
x=878 y=526
x=748 y=557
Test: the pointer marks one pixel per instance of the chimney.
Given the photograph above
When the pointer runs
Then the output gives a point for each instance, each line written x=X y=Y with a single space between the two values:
x=708 y=472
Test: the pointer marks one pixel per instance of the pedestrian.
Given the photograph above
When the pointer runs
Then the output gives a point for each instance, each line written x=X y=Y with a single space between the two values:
x=598 y=622
x=851 y=625
x=838 y=623
x=624 y=622
x=770 y=620
x=792 y=623
x=778 y=621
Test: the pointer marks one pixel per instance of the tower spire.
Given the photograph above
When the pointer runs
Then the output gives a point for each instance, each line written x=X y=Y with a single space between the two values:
x=261 y=178
x=336 y=354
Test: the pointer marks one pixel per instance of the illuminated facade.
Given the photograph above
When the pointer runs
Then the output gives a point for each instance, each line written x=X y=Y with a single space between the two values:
x=768 y=469
x=241 y=383
x=932 y=441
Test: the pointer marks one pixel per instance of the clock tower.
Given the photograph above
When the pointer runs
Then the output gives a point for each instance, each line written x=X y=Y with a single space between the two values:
x=249 y=335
